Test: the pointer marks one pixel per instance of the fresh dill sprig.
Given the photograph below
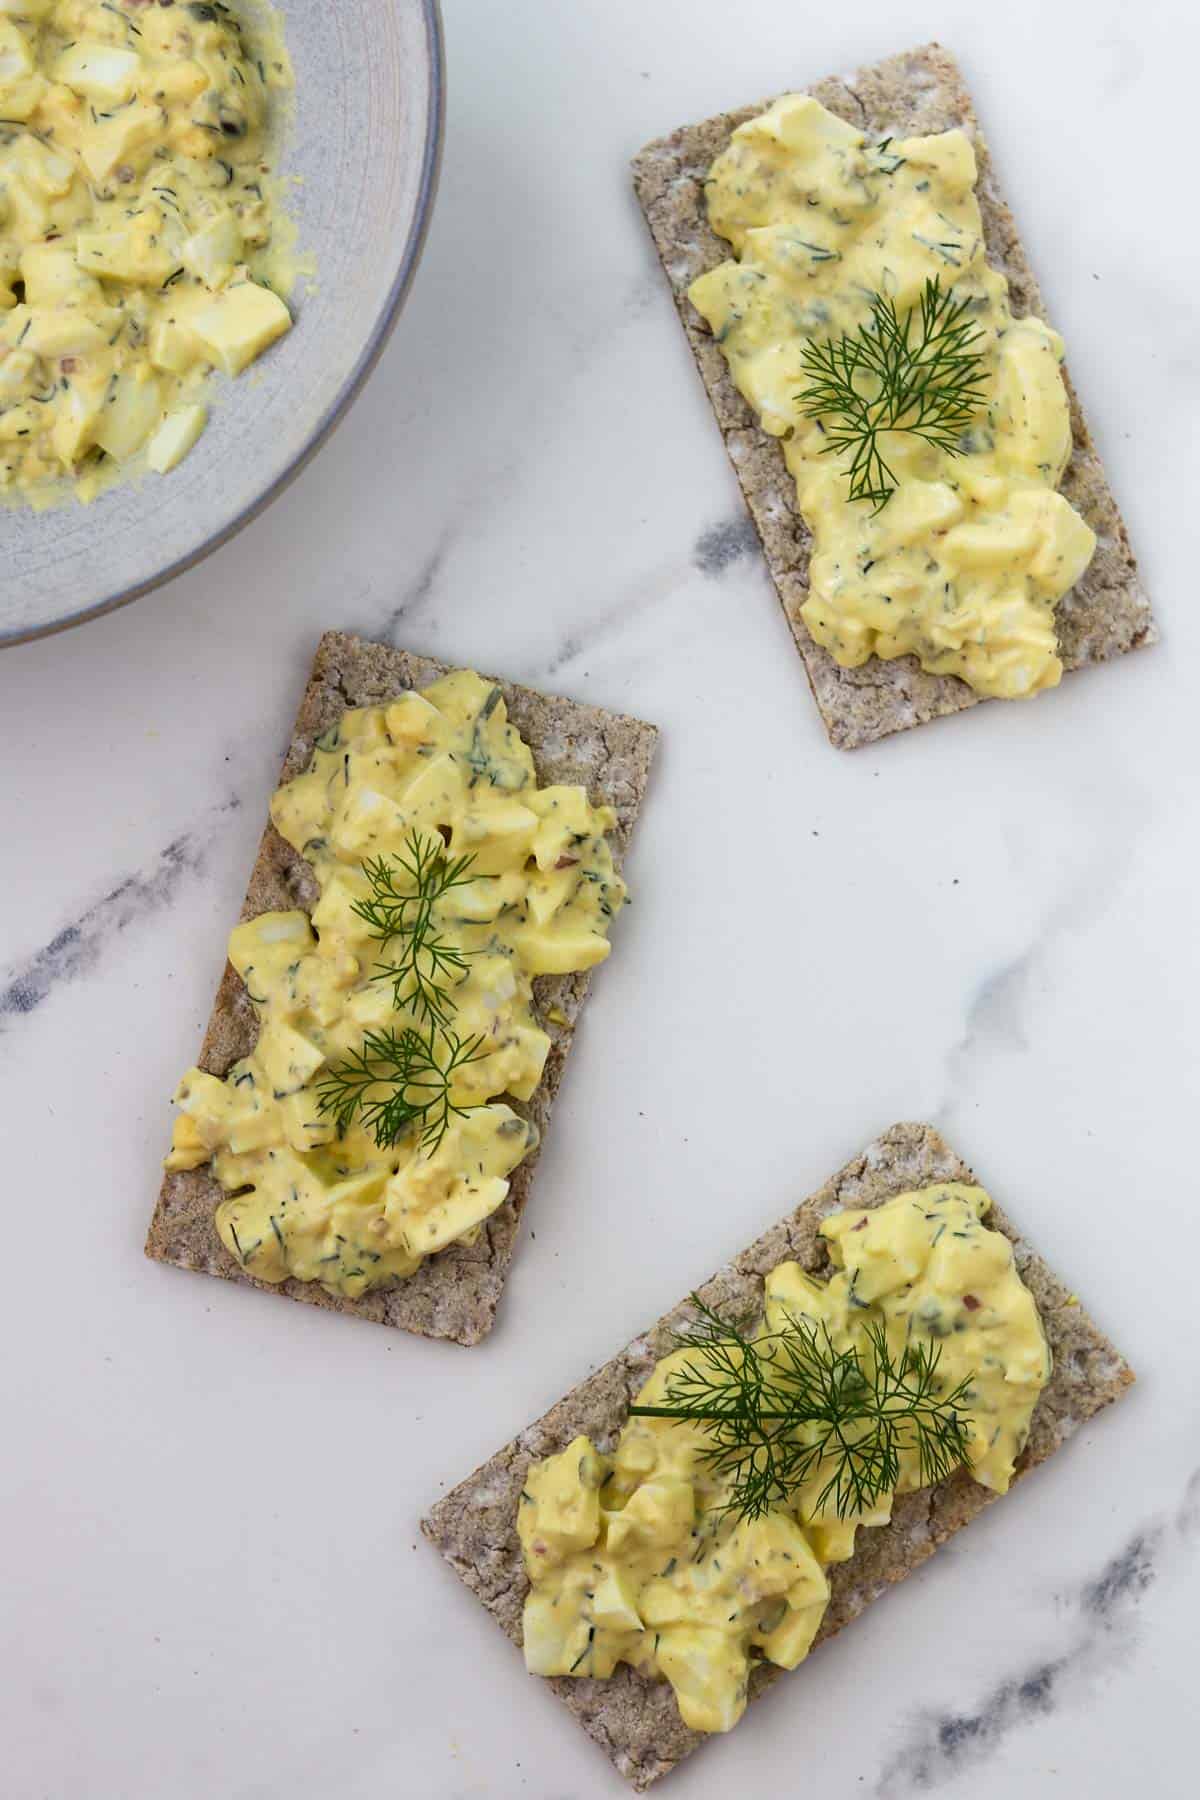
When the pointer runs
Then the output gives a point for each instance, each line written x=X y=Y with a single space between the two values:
x=790 y=1406
x=404 y=891
x=398 y=1080
x=879 y=378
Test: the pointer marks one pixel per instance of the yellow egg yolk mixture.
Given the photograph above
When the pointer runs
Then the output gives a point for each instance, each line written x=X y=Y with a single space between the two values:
x=140 y=242
x=634 y=1557
x=965 y=562
x=449 y=880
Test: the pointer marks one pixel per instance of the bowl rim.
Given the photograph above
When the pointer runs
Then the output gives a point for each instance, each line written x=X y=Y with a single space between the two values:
x=372 y=350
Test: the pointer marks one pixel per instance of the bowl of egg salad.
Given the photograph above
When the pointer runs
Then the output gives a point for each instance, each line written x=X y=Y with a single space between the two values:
x=210 y=215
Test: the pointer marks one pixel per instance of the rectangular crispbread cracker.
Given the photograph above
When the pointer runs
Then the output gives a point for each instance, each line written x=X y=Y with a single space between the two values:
x=634 y=1720
x=919 y=92
x=454 y=1294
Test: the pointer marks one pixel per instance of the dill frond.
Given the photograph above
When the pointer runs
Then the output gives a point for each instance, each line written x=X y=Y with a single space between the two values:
x=880 y=378
x=399 y=1080
x=789 y=1407
x=404 y=892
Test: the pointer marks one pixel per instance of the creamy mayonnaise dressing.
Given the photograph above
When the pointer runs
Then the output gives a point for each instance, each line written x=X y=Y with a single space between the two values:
x=139 y=247
x=306 y=1200
x=629 y=1556
x=965 y=563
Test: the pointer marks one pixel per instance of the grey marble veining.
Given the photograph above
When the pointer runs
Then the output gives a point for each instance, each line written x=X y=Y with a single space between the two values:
x=723 y=545
x=1100 y=1633
x=76 y=949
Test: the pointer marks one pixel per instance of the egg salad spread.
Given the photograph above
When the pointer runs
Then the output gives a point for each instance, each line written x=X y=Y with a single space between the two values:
x=139 y=248
x=363 y=1132
x=964 y=563
x=636 y=1557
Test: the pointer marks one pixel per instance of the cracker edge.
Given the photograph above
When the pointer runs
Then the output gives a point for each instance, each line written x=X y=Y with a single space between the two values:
x=454 y=1295
x=1106 y=614
x=634 y=1720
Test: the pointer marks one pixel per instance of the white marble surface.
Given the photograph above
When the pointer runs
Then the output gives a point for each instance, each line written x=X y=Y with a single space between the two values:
x=214 y=1580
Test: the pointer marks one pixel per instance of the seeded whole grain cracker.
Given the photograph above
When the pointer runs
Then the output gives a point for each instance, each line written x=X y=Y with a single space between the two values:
x=635 y=1720
x=455 y=1293
x=1105 y=614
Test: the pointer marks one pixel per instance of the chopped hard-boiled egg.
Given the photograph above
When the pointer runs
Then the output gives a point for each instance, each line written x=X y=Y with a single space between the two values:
x=175 y=437
x=643 y=1556
x=239 y=323
x=136 y=245
x=99 y=72
x=422 y=810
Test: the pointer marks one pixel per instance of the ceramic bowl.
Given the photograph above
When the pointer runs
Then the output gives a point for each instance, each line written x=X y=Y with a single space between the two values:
x=365 y=142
